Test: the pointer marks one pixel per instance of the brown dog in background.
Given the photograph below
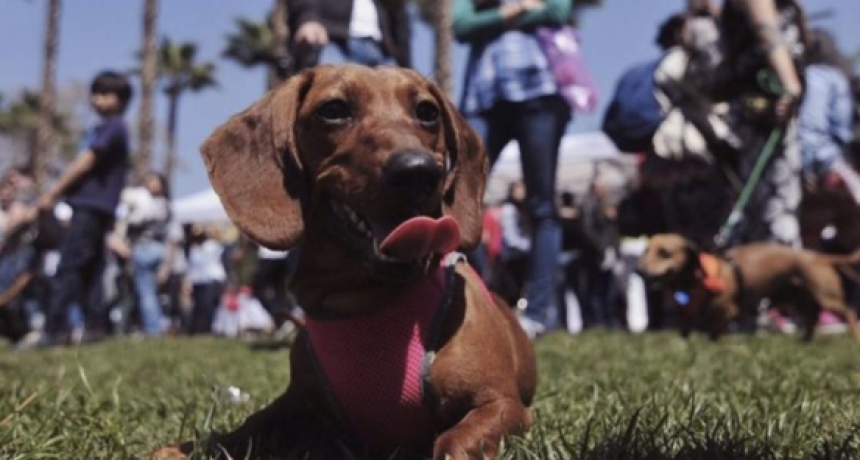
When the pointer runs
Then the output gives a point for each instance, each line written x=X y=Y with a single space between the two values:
x=805 y=280
x=334 y=162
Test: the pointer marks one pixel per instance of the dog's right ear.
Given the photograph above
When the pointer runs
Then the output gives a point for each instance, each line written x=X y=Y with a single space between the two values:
x=255 y=169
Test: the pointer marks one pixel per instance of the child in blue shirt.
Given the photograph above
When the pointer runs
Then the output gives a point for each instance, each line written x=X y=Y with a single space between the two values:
x=91 y=185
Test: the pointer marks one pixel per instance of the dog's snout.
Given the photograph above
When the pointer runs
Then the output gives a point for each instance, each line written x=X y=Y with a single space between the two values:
x=413 y=174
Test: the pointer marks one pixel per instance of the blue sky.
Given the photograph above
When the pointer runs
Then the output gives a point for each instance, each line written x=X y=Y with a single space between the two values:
x=97 y=34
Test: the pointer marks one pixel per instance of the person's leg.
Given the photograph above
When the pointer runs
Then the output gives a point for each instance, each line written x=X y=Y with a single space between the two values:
x=783 y=183
x=496 y=128
x=771 y=214
x=539 y=129
x=178 y=316
x=197 y=325
x=146 y=257
x=332 y=53
x=214 y=291
x=76 y=254
x=96 y=318
x=366 y=52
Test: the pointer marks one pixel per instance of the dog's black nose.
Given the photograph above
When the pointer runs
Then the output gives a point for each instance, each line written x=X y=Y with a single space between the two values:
x=413 y=174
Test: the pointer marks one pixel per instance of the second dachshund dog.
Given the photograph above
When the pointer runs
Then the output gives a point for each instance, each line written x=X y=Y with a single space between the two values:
x=720 y=290
x=376 y=178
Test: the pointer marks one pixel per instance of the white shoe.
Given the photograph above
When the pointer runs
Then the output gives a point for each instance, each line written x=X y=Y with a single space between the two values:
x=532 y=328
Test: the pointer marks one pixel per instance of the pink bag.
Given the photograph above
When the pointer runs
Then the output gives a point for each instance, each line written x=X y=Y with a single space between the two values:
x=562 y=50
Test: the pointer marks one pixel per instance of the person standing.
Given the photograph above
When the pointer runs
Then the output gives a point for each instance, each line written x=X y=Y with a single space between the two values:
x=827 y=114
x=511 y=93
x=368 y=32
x=761 y=79
x=147 y=231
x=91 y=185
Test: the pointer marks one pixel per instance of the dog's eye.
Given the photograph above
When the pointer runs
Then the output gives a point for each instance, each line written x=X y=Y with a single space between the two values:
x=427 y=113
x=334 y=111
x=663 y=253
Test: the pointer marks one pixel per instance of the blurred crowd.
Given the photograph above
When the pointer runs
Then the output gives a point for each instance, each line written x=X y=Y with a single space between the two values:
x=745 y=95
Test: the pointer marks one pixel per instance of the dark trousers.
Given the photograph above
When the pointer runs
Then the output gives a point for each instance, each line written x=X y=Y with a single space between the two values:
x=206 y=298
x=79 y=274
x=538 y=126
x=270 y=287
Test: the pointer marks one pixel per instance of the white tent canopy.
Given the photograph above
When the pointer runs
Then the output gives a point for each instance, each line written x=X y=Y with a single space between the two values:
x=577 y=154
x=201 y=207
x=578 y=157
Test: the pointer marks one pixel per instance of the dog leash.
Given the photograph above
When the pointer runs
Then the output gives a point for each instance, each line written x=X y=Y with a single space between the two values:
x=769 y=83
x=728 y=227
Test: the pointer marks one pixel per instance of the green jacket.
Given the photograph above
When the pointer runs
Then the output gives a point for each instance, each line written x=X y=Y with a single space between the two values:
x=471 y=25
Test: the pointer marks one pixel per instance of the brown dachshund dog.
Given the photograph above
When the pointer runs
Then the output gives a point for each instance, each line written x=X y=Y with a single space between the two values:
x=374 y=176
x=720 y=290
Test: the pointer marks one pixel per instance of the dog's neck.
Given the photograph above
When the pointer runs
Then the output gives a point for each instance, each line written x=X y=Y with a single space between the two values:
x=330 y=282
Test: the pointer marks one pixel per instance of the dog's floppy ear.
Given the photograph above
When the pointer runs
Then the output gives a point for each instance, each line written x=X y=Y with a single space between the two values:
x=255 y=169
x=464 y=189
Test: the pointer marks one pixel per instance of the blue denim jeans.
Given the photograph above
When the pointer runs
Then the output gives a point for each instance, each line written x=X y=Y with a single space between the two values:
x=146 y=256
x=538 y=126
x=356 y=50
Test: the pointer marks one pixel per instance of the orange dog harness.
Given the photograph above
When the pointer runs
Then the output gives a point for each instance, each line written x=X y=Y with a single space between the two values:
x=710 y=273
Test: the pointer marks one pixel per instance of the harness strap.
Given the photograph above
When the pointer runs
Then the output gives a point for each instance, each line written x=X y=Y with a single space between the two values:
x=431 y=342
x=739 y=279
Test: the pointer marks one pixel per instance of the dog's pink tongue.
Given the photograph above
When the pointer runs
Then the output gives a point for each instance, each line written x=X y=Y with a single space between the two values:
x=421 y=236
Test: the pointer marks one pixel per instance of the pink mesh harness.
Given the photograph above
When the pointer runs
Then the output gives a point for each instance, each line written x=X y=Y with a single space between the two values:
x=376 y=366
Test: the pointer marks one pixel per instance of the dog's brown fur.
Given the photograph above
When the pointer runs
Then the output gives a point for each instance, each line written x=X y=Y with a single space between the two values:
x=278 y=165
x=806 y=280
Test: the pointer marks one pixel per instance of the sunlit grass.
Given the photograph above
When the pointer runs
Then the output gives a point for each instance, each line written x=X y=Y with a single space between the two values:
x=602 y=396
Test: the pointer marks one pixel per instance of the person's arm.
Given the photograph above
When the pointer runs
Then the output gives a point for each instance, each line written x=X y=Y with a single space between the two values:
x=301 y=12
x=843 y=111
x=15 y=289
x=79 y=167
x=764 y=19
x=306 y=24
x=470 y=24
x=398 y=23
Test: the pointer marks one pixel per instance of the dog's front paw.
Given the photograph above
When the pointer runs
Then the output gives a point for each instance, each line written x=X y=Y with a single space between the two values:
x=465 y=444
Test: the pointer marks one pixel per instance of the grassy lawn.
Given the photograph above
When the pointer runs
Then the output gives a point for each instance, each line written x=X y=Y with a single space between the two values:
x=602 y=395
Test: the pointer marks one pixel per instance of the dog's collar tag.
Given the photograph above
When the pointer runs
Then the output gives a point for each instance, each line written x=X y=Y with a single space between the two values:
x=682 y=298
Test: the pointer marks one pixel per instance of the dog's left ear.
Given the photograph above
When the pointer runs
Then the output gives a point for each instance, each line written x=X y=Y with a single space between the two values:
x=254 y=166
x=464 y=188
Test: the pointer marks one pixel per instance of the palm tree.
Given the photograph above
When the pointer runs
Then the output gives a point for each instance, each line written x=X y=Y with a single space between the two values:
x=262 y=43
x=252 y=45
x=281 y=35
x=19 y=121
x=438 y=14
x=148 y=80
x=442 y=62
x=38 y=162
x=180 y=73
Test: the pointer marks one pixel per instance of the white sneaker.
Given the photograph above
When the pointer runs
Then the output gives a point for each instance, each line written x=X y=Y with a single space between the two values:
x=532 y=328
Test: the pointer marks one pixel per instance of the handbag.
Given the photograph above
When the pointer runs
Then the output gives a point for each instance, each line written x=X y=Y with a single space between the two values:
x=563 y=53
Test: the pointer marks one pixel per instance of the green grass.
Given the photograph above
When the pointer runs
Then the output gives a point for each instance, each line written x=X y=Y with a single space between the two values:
x=602 y=395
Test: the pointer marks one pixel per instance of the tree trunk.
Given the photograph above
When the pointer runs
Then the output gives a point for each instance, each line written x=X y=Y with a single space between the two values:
x=148 y=79
x=172 y=120
x=277 y=72
x=442 y=23
x=39 y=161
